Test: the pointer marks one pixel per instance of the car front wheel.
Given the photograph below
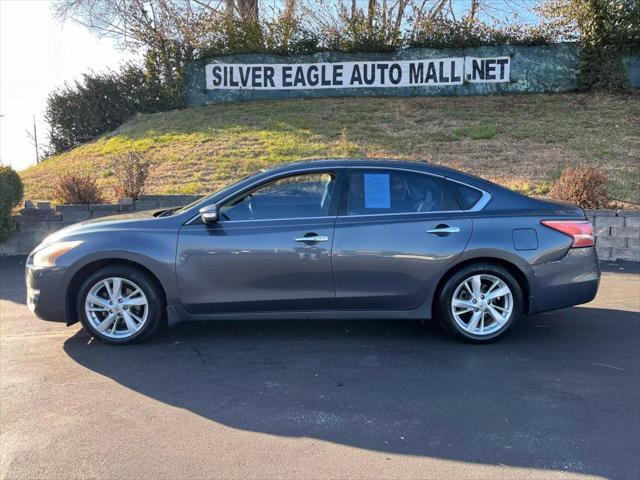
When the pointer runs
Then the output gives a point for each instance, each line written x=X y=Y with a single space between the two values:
x=120 y=305
x=480 y=303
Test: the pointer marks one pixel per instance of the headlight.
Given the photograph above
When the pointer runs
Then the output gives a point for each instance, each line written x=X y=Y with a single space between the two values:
x=48 y=255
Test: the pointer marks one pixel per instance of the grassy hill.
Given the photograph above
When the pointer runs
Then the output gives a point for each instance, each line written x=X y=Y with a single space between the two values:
x=520 y=141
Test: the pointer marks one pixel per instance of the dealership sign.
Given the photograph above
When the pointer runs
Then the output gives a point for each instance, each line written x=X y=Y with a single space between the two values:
x=370 y=74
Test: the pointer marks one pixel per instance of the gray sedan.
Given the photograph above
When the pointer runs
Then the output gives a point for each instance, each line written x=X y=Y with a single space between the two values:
x=326 y=239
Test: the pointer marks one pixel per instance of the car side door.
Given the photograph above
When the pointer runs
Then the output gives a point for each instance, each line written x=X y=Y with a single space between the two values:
x=270 y=249
x=396 y=230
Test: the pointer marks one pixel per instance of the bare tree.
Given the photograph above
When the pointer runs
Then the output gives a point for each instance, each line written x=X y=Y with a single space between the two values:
x=148 y=23
x=167 y=32
x=247 y=9
x=472 y=12
x=290 y=7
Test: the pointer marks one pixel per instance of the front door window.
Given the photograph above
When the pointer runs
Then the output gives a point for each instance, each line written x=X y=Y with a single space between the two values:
x=297 y=196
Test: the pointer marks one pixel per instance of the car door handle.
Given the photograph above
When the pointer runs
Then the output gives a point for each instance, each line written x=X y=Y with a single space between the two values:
x=313 y=238
x=444 y=229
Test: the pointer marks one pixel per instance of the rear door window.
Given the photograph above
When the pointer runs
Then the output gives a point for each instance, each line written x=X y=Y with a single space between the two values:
x=376 y=191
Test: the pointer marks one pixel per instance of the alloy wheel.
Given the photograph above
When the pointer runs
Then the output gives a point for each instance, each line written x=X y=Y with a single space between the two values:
x=116 y=307
x=482 y=304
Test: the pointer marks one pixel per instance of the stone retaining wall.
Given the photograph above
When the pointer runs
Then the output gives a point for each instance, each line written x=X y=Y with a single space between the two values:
x=38 y=219
x=617 y=234
x=617 y=231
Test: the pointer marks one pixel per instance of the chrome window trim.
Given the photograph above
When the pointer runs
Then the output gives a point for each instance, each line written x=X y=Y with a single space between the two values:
x=327 y=217
x=437 y=212
x=480 y=204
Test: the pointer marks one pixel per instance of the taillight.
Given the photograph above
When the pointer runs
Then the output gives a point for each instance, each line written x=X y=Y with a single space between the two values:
x=580 y=230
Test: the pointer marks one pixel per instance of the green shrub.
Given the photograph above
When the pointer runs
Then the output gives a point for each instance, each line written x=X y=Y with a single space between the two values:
x=10 y=196
x=441 y=32
x=101 y=102
x=281 y=35
x=607 y=31
x=343 y=30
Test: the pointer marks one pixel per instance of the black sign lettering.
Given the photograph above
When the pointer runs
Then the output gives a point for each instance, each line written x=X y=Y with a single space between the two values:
x=382 y=68
x=478 y=69
x=217 y=77
x=503 y=63
x=416 y=73
x=455 y=78
x=337 y=75
x=286 y=75
x=356 y=76
x=442 y=78
x=395 y=73
x=431 y=73
x=490 y=69
x=312 y=76
x=268 y=76
x=298 y=80
x=376 y=74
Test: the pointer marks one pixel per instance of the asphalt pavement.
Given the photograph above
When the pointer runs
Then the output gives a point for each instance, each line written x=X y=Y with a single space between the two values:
x=558 y=398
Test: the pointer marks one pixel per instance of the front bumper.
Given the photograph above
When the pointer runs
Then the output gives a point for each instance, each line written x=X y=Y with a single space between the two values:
x=47 y=292
x=567 y=282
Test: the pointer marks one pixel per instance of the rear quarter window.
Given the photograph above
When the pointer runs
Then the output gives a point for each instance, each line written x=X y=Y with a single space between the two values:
x=467 y=196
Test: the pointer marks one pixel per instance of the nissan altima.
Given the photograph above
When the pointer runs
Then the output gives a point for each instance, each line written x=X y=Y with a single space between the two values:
x=324 y=239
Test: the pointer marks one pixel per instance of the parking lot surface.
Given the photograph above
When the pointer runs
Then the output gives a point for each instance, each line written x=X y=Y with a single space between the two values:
x=558 y=398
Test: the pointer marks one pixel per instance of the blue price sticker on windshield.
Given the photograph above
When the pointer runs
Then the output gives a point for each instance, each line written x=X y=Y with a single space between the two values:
x=377 y=191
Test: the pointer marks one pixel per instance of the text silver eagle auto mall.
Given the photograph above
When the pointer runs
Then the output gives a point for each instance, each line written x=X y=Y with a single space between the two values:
x=376 y=74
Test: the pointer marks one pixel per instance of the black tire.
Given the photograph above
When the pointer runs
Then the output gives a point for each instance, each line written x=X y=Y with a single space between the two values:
x=446 y=317
x=148 y=285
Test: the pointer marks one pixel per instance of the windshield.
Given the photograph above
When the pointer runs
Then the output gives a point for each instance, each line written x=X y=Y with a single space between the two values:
x=204 y=200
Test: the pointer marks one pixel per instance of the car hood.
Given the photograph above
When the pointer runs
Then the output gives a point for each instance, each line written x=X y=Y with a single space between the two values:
x=123 y=221
x=121 y=217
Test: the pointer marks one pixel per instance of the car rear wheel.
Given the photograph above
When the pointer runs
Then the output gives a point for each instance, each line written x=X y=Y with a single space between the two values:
x=480 y=303
x=120 y=305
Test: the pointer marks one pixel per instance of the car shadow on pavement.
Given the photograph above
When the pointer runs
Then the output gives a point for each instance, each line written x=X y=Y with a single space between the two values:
x=12 y=279
x=561 y=392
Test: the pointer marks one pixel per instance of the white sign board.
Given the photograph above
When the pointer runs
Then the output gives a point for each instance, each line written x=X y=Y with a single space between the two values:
x=382 y=74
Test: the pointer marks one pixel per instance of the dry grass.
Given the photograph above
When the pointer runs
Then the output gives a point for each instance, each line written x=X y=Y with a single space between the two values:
x=523 y=142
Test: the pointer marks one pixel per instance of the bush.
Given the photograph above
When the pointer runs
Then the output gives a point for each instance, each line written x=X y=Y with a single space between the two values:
x=100 y=103
x=336 y=27
x=582 y=185
x=281 y=35
x=440 y=32
x=607 y=30
x=75 y=188
x=602 y=68
x=10 y=196
x=132 y=171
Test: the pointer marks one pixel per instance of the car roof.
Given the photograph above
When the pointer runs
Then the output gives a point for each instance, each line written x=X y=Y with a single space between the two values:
x=381 y=162
x=502 y=198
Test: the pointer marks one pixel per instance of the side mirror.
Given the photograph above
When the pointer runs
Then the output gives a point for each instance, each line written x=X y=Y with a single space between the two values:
x=209 y=214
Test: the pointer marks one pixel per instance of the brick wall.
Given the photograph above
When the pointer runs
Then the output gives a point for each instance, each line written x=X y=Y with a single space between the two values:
x=617 y=231
x=617 y=234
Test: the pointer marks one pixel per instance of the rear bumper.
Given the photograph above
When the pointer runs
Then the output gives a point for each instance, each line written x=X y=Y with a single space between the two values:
x=47 y=292
x=570 y=281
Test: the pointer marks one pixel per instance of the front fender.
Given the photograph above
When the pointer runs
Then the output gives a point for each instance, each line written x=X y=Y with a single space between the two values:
x=152 y=250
